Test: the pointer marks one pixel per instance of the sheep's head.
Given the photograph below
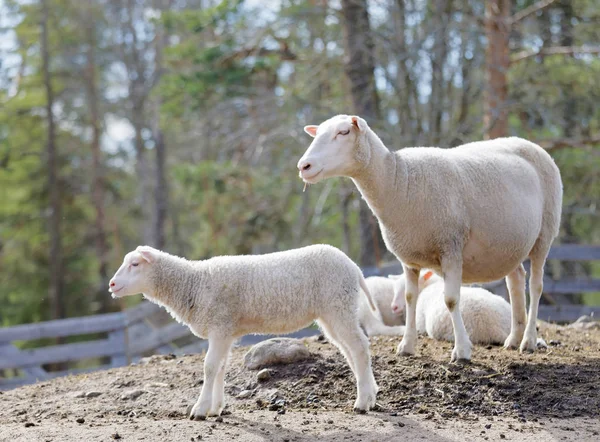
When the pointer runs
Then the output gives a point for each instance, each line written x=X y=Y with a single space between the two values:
x=134 y=275
x=426 y=279
x=338 y=148
x=398 y=303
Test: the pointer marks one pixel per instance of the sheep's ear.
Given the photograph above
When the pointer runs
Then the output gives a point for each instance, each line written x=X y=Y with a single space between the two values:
x=360 y=124
x=428 y=274
x=311 y=130
x=148 y=253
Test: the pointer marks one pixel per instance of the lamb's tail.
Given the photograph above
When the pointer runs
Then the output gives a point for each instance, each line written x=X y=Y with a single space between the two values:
x=365 y=289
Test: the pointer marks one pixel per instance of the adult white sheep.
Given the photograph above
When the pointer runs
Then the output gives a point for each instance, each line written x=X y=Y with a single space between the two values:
x=226 y=297
x=473 y=213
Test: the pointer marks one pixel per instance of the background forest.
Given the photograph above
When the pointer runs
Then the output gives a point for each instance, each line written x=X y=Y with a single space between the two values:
x=178 y=123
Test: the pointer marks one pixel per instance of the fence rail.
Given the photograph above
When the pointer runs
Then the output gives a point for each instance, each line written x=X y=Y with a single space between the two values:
x=146 y=328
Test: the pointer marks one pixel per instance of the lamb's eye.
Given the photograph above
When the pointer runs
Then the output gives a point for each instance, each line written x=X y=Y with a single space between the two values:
x=344 y=132
x=135 y=264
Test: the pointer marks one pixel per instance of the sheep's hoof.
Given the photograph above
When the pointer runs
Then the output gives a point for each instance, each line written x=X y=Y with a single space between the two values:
x=405 y=350
x=197 y=418
x=461 y=356
x=359 y=410
x=528 y=345
x=511 y=343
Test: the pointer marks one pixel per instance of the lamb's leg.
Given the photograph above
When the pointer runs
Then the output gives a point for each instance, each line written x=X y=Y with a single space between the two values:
x=218 y=398
x=409 y=340
x=452 y=270
x=378 y=329
x=331 y=335
x=218 y=348
x=536 y=286
x=515 y=281
x=350 y=339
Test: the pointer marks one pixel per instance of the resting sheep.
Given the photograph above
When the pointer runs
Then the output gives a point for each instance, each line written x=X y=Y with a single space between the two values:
x=226 y=297
x=487 y=316
x=473 y=213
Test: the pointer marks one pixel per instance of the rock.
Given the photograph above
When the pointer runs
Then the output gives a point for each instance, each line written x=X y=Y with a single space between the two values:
x=91 y=394
x=264 y=375
x=115 y=436
x=156 y=359
x=245 y=394
x=132 y=394
x=80 y=420
x=79 y=394
x=29 y=424
x=275 y=351
x=219 y=419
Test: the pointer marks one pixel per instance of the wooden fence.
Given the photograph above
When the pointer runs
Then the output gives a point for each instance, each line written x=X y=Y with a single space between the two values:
x=147 y=329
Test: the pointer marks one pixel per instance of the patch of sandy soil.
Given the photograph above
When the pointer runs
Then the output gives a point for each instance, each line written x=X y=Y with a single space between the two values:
x=550 y=395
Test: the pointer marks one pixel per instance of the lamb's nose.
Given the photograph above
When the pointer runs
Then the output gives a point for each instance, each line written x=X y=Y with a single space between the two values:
x=395 y=308
x=112 y=284
x=304 y=166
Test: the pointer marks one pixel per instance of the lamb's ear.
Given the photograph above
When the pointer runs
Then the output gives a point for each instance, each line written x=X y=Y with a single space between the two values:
x=311 y=130
x=148 y=253
x=359 y=123
x=428 y=274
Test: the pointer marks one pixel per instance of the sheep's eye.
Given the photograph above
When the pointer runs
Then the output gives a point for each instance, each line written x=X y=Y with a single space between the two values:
x=344 y=132
x=135 y=264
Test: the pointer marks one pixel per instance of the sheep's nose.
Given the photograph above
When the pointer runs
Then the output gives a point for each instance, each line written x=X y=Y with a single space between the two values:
x=395 y=308
x=304 y=165
x=112 y=284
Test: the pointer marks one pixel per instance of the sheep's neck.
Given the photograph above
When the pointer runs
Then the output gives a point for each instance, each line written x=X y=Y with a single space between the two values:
x=177 y=286
x=380 y=178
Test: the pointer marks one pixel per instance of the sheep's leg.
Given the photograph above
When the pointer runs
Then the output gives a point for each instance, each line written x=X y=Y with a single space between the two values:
x=536 y=286
x=515 y=281
x=409 y=340
x=218 y=348
x=218 y=398
x=350 y=337
x=378 y=329
x=452 y=270
x=331 y=335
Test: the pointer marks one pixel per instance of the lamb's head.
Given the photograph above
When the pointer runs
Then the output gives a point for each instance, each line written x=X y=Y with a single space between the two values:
x=338 y=149
x=135 y=274
x=426 y=279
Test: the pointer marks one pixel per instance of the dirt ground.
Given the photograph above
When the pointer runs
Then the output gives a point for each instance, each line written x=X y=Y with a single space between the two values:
x=550 y=395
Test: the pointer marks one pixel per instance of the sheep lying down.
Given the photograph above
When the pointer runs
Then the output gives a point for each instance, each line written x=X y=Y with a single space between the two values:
x=226 y=297
x=487 y=317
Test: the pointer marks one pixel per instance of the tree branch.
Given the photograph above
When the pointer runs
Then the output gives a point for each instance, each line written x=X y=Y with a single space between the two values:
x=556 y=50
x=538 y=6
x=561 y=143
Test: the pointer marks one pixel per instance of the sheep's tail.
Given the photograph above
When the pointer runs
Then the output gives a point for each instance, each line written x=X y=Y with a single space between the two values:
x=365 y=289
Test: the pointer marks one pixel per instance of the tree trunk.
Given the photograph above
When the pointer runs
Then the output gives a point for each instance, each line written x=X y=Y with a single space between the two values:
x=438 y=61
x=360 y=70
x=161 y=189
x=495 y=119
x=97 y=166
x=56 y=259
x=406 y=112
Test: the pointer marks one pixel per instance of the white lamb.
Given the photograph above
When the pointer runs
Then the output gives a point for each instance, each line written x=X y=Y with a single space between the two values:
x=383 y=321
x=473 y=213
x=226 y=297
x=487 y=316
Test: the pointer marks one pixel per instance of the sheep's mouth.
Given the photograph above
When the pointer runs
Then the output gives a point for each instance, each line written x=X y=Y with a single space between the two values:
x=310 y=179
x=114 y=291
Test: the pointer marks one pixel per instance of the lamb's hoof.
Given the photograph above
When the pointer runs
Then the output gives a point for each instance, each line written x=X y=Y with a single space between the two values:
x=199 y=412
x=359 y=410
x=541 y=344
